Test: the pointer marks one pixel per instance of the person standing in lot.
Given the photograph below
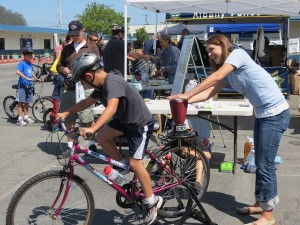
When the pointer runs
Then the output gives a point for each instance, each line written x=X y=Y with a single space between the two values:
x=272 y=115
x=68 y=55
x=113 y=51
x=25 y=90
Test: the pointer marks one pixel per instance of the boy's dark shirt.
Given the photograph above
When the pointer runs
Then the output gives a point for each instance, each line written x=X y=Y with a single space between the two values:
x=132 y=111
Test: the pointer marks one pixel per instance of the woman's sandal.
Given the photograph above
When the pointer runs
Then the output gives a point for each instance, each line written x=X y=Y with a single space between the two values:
x=248 y=210
x=270 y=222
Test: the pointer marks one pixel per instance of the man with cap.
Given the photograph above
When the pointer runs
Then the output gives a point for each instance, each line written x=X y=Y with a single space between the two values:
x=68 y=55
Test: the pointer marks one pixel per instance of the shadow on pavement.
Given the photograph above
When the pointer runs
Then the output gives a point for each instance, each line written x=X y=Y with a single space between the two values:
x=226 y=204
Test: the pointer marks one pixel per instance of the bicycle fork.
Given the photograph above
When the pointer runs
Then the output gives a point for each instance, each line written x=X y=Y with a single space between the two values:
x=65 y=182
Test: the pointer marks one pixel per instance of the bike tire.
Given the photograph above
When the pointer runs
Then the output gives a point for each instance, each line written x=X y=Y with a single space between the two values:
x=10 y=106
x=47 y=119
x=32 y=202
x=184 y=166
x=39 y=107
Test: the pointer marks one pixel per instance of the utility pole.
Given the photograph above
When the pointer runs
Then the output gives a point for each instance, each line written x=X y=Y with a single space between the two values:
x=59 y=14
x=146 y=18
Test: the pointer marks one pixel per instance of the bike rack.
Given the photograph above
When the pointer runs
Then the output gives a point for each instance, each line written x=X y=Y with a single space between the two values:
x=197 y=214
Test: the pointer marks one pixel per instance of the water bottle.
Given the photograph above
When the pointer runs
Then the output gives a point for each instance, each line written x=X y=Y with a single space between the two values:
x=114 y=176
x=251 y=167
x=191 y=85
x=248 y=146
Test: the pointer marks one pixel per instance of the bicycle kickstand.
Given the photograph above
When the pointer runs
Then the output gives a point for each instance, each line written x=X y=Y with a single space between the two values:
x=200 y=214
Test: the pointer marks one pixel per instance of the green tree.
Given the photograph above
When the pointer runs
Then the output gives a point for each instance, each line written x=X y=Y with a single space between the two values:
x=141 y=36
x=98 y=18
x=11 y=18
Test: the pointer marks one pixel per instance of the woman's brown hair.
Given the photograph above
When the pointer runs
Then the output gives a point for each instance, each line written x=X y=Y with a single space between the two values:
x=219 y=40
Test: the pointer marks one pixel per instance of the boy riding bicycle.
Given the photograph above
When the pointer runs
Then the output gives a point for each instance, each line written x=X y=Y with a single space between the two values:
x=125 y=114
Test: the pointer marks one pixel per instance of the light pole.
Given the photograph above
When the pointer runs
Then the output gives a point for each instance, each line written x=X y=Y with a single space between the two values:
x=59 y=14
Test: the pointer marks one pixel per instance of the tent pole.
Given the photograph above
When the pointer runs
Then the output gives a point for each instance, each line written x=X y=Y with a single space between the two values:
x=125 y=40
x=155 y=34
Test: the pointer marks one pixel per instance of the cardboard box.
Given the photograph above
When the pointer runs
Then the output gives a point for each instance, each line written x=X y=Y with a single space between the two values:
x=294 y=80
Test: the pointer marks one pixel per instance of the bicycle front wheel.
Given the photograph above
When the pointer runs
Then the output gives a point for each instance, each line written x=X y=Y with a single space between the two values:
x=47 y=120
x=33 y=203
x=190 y=170
x=10 y=106
x=39 y=107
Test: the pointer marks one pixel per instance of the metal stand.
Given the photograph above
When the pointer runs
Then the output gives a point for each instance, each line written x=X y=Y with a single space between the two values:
x=198 y=214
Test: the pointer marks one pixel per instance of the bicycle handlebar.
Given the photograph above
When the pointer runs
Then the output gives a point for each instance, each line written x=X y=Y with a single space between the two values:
x=74 y=131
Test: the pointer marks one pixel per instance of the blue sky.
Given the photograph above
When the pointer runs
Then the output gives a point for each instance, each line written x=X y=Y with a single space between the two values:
x=41 y=13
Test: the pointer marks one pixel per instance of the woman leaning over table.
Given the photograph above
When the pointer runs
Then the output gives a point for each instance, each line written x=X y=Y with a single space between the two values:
x=167 y=58
x=272 y=115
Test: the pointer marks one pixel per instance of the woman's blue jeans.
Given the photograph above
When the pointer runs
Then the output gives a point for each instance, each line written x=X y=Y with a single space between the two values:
x=267 y=134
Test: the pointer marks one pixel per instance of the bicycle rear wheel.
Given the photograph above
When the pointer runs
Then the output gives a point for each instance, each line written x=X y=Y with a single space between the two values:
x=39 y=107
x=191 y=170
x=10 y=106
x=32 y=202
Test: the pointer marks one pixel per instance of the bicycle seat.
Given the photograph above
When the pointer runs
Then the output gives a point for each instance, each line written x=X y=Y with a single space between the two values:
x=15 y=86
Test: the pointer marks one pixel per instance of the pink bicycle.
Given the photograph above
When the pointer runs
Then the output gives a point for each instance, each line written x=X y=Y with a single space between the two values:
x=61 y=197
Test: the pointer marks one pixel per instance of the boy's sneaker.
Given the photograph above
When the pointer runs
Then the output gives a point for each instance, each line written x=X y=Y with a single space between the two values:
x=151 y=210
x=21 y=123
x=28 y=120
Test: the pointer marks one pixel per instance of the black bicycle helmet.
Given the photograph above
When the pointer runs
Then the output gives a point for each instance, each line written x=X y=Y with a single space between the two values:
x=115 y=28
x=27 y=50
x=139 y=66
x=84 y=62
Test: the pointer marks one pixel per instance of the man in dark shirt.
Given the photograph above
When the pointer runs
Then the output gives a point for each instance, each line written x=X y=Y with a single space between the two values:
x=113 y=53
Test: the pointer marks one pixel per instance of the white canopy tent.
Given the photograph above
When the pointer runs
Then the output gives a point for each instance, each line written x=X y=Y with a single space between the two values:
x=177 y=29
x=274 y=7
x=270 y=7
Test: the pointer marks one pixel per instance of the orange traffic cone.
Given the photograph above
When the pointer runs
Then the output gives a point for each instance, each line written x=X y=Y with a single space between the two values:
x=14 y=59
x=41 y=60
x=8 y=59
x=2 y=58
x=48 y=60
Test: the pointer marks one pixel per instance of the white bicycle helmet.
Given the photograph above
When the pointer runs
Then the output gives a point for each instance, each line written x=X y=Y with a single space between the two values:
x=84 y=62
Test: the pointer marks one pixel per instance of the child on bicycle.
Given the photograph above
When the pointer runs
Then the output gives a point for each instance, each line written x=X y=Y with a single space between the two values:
x=125 y=114
x=25 y=90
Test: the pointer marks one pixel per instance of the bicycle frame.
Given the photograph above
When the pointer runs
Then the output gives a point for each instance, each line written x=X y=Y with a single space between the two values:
x=75 y=158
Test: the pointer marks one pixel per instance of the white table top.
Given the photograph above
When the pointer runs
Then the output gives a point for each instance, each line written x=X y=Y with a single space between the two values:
x=158 y=87
x=219 y=108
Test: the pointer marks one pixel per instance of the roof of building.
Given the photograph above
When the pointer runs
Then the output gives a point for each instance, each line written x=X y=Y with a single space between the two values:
x=32 y=29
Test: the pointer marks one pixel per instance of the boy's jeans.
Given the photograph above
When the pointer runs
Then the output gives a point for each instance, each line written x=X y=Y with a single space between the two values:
x=267 y=134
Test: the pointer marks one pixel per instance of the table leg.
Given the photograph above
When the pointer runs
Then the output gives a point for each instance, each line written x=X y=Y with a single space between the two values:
x=234 y=143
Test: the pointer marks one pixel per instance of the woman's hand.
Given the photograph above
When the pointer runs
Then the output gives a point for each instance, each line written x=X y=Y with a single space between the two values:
x=180 y=96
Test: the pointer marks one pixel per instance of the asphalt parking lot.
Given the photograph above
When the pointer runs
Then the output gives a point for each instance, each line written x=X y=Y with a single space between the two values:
x=23 y=154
